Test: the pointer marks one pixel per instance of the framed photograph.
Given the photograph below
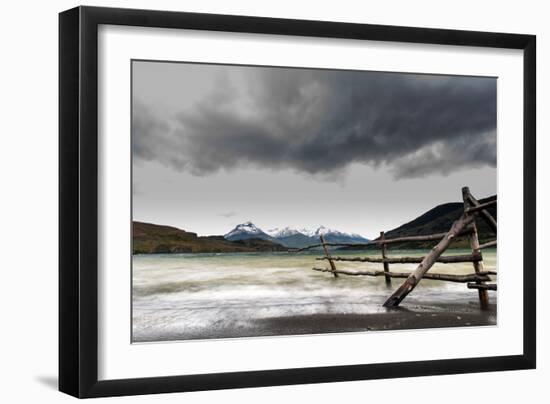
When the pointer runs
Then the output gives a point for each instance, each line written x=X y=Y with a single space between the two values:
x=251 y=201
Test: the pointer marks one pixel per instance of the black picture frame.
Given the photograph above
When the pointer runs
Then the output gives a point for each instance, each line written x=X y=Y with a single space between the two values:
x=78 y=201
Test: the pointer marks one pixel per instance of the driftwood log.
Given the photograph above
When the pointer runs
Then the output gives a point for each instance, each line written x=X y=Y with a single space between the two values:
x=474 y=243
x=485 y=215
x=327 y=256
x=437 y=277
x=429 y=237
x=478 y=267
x=480 y=206
x=451 y=259
x=488 y=244
x=427 y=262
x=384 y=250
x=483 y=286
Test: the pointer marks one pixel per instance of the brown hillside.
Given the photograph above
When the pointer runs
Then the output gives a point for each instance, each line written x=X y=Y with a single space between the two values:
x=151 y=238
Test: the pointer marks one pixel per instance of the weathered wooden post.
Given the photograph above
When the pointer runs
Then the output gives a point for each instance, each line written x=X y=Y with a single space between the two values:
x=384 y=249
x=329 y=258
x=485 y=215
x=474 y=245
x=428 y=261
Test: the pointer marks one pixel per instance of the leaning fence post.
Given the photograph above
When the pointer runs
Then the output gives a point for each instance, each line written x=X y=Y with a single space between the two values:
x=485 y=215
x=474 y=245
x=384 y=250
x=327 y=255
x=427 y=262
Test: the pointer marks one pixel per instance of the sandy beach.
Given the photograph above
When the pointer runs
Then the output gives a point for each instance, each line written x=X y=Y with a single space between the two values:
x=392 y=319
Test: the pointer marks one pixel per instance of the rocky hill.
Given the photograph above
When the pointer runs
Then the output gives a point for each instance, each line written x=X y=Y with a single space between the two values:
x=440 y=220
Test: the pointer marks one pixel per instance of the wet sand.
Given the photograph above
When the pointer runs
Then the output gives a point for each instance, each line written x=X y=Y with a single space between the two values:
x=394 y=319
x=399 y=318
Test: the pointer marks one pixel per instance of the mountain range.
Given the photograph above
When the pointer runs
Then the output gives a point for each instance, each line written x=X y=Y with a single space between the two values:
x=246 y=237
x=291 y=237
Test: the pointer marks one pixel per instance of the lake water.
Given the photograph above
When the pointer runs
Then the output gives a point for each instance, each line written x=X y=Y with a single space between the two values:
x=188 y=296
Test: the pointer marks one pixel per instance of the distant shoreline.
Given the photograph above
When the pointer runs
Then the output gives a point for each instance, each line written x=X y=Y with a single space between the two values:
x=310 y=252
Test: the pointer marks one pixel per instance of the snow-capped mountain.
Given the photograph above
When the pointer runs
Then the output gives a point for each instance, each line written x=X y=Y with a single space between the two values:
x=325 y=231
x=277 y=232
x=291 y=237
x=321 y=231
x=246 y=230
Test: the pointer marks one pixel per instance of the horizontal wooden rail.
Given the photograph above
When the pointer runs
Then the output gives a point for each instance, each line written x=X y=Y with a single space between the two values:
x=482 y=286
x=482 y=277
x=450 y=259
x=481 y=206
x=331 y=245
x=488 y=244
x=429 y=237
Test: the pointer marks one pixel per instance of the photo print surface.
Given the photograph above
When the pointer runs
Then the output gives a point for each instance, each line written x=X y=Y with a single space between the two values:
x=275 y=201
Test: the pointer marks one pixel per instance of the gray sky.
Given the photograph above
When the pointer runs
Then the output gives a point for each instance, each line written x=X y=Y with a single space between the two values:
x=216 y=145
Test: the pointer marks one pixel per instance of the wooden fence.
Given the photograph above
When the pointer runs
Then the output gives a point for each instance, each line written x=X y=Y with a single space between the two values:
x=465 y=225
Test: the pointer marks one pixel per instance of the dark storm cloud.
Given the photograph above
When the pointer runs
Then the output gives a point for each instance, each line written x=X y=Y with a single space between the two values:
x=319 y=122
x=149 y=134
